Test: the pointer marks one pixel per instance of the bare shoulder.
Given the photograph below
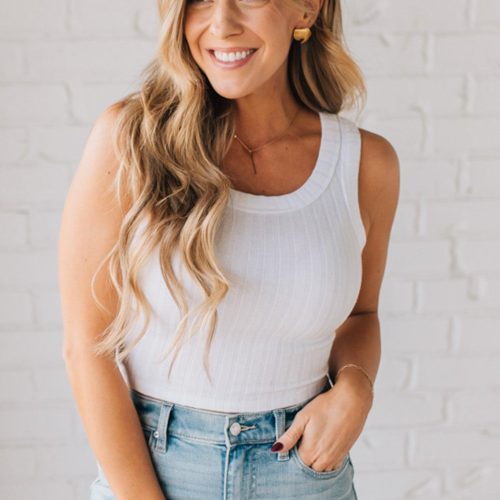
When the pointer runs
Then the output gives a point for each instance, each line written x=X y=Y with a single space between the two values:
x=92 y=180
x=99 y=145
x=379 y=179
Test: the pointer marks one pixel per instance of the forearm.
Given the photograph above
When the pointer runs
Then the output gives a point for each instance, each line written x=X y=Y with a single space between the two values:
x=113 y=427
x=357 y=341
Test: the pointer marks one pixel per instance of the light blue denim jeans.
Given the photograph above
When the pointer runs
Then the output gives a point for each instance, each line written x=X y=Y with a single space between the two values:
x=207 y=455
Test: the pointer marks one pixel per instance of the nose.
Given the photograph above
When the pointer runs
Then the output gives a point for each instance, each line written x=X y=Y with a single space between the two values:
x=224 y=19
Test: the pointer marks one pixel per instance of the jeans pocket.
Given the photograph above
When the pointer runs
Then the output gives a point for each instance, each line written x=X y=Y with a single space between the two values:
x=318 y=474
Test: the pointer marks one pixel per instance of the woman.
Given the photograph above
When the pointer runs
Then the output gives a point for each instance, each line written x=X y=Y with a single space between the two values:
x=222 y=249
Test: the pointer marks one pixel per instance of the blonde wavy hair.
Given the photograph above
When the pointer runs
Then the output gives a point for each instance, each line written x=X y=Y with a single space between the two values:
x=171 y=136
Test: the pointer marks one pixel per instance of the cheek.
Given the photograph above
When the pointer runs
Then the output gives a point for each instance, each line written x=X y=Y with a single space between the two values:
x=278 y=43
x=191 y=35
x=276 y=32
x=191 y=29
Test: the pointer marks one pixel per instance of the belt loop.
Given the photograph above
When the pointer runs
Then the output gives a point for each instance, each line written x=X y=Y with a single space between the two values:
x=161 y=432
x=280 y=424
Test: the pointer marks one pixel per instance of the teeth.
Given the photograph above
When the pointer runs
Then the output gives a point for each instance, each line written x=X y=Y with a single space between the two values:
x=231 y=56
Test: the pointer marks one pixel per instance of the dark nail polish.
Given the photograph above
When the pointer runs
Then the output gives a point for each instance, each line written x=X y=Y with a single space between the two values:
x=277 y=446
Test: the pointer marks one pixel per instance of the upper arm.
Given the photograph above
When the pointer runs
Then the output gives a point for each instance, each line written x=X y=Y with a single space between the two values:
x=378 y=198
x=90 y=223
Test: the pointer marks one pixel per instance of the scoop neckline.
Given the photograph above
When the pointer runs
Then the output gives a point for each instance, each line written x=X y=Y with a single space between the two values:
x=314 y=185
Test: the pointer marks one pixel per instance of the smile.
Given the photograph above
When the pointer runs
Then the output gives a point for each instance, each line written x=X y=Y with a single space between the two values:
x=231 y=59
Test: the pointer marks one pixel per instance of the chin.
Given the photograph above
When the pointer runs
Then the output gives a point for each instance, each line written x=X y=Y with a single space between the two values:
x=235 y=93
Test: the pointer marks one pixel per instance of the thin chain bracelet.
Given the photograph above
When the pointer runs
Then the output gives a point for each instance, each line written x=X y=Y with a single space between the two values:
x=359 y=368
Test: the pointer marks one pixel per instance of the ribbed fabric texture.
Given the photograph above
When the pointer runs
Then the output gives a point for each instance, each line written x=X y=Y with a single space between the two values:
x=294 y=262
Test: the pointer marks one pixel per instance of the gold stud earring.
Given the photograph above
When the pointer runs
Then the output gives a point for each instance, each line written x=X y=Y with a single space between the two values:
x=301 y=34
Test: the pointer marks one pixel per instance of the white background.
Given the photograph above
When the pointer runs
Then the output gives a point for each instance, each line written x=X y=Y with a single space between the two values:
x=433 y=74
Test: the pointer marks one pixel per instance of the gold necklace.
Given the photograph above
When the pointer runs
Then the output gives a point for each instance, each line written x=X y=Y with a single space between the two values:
x=251 y=151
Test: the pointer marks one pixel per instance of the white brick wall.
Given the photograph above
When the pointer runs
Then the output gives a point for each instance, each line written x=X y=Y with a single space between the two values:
x=433 y=76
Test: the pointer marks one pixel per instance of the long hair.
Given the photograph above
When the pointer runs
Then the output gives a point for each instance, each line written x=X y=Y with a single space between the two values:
x=170 y=137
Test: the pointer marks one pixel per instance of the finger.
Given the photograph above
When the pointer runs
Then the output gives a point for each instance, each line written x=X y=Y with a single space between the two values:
x=288 y=439
x=320 y=465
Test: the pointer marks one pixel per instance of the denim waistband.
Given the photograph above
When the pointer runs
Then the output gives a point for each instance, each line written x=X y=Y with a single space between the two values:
x=206 y=426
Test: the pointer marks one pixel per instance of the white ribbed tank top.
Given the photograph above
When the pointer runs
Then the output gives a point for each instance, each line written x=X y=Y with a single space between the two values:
x=295 y=264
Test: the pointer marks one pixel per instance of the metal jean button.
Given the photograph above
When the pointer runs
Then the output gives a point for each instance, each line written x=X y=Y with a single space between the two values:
x=235 y=428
